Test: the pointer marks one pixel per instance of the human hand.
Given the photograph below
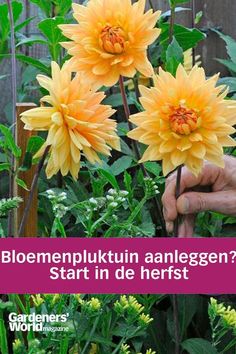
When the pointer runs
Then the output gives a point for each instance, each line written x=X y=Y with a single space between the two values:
x=221 y=199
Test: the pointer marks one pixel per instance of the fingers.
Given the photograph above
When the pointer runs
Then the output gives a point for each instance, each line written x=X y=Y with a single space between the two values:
x=208 y=176
x=195 y=202
x=186 y=228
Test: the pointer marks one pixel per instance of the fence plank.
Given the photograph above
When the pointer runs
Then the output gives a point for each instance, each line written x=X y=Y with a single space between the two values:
x=22 y=137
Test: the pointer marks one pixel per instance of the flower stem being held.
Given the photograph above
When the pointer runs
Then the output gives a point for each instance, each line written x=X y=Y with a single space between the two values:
x=32 y=191
x=177 y=194
x=136 y=150
x=127 y=115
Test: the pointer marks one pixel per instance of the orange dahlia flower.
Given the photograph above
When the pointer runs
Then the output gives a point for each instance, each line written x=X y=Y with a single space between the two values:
x=186 y=120
x=111 y=39
x=75 y=119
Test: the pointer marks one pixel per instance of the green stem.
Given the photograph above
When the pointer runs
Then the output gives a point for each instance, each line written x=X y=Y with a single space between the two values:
x=193 y=26
x=176 y=323
x=127 y=116
x=177 y=194
x=172 y=23
x=30 y=335
x=3 y=335
x=14 y=98
x=91 y=335
x=230 y=345
x=31 y=193
x=151 y=5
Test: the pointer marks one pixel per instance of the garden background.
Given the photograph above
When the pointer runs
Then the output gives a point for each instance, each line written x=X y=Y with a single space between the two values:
x=115 y=201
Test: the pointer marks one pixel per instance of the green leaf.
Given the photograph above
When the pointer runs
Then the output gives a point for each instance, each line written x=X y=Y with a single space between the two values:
x=64 y=345
x=174 y=56
x=5 y=166
x=62 y=7
x=31 y=40
x=177 y=9
x=230 y=82
x=23 y=24
x=198 y=346
x=115 y=100
x=17 y=9
x=34 y=144
x=229 y=64
x=34 y=62
x=27 y=162
x=49 y=28
x=121 y=165
x=128 y=182
x=176 y=2
x=44 y=5
x=110 y=178
x=21 y=183
x=4 y=23
x=3 y=77
x=198 y=17
x=230 y=45
x=153 y=167
x=187 y=38
x=10 y=142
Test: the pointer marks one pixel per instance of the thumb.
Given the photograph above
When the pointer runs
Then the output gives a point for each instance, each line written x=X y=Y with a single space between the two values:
x=195 y=202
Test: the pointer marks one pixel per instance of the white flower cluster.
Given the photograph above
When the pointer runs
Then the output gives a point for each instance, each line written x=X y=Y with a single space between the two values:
x=151 y=189
x=116 y=198
x=59 y=209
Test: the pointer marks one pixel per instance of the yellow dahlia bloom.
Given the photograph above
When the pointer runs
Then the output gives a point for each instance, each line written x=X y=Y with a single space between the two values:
x=76 y=121
x=186 y=120
x=111 y=39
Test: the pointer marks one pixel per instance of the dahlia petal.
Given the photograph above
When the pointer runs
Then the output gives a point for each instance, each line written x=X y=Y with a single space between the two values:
x=151 y=154
x=198 y=150
x=184 y=144
x=194 y=165
x=178 y=157
x=167 y=165
x=91 y=155
x=51 y=169
x=167 y=146
x=226 y=141
x=45 y=82
x=101 y=68
x=75 y=152
x=216 y=159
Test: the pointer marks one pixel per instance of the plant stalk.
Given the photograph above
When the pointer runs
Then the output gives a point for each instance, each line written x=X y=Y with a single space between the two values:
x=193 y=26
x=177 y=194
x=14 y=98
x=151 y=5
x=176 y=323
x=31 y=193
x=127 y=115
x=137 y=153
x=172 y=23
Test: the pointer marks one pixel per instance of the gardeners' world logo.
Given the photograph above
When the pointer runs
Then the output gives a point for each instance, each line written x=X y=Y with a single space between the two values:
x=38 y=322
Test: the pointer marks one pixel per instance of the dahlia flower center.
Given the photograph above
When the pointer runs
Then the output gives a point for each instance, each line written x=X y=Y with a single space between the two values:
x=183 y=120
x=112 y=40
